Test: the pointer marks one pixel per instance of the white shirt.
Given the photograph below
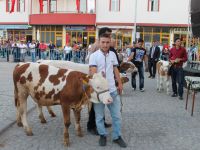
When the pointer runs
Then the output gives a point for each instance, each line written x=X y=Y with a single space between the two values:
x=22 y=48
x=32 y=47
x=67 y=49
x=105 y=64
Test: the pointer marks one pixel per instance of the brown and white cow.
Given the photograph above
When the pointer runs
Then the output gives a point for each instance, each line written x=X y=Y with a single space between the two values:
x=48 y=86
x=162 y=75
x=127 y=67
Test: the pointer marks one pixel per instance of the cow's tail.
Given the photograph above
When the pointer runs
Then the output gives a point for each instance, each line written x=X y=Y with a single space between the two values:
x=16 y=98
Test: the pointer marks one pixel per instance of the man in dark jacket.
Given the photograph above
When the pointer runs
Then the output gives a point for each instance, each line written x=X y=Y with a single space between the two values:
x=153 y=58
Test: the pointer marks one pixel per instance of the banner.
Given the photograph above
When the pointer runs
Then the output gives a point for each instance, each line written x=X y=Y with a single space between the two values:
x=41 y=5
x=78 y=5
x=12 y=6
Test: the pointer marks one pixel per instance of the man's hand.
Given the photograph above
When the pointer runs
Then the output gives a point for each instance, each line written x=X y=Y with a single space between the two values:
x=120 y=88
x=172 y=61
x=177 y=60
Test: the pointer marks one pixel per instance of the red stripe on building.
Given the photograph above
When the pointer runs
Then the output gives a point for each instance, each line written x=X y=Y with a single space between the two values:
x=62 y=19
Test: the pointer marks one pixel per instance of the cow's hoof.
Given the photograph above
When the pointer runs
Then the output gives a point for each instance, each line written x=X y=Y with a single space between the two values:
x=66 y=143
x=80 y=134
x=29 y=132
x=43 y=121
x=53 y=115
x=19 y=124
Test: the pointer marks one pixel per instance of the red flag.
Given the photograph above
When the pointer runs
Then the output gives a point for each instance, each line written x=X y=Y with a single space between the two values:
x=78 y=5
x=12 y=6
x=41 y=5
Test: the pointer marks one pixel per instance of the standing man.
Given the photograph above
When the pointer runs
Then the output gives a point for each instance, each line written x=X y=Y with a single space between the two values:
x=52 y=49
x=137 y=57
x=43 y=48
x=154 y=56
x=177 y=57
x=105 y=61
x=32 y=46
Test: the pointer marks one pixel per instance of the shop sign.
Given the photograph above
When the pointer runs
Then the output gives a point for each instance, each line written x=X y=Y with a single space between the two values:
x=5 y=27
x=76 y=28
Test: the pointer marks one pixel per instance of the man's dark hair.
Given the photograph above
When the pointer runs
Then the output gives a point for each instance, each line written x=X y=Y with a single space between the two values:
x=140 y=40
x=134 y=42
x=105 y=35
x=176 y=39
x=104 y=30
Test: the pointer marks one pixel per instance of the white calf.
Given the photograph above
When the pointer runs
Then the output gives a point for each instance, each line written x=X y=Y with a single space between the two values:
x=162 y=75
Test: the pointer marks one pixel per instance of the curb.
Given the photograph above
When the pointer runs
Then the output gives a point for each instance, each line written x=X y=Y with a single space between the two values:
x=2 y=130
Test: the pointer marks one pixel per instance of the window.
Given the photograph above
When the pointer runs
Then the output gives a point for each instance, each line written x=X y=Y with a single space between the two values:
x=20 y=6
x=153 y=5
x=83 y=6
x=90 y=6
x=8 y=5
x=53 y=4
x=114 y=5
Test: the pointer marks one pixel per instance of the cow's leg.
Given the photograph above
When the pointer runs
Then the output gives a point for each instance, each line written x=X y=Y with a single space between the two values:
x=167 y=84
x=23 y=113
x=66 y=116
x=162 y=83
x=41 y=115
x=51 y=111
x=17 y=104
x=77 y=115
x=158 y=81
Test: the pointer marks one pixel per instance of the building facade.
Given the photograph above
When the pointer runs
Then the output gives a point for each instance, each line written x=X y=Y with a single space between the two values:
x=69 y=21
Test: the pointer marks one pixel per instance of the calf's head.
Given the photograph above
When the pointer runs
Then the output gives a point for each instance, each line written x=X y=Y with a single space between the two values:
x=127 y=67
x=100 y=89
x=165 y=65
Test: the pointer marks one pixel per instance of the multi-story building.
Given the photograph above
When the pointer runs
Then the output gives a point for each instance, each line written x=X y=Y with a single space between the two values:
x=65 y=21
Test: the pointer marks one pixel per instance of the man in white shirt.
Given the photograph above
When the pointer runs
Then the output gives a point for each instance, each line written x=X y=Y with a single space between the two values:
x=105 y=61
x=32 y=46
x=67 y=51
x=23 y=47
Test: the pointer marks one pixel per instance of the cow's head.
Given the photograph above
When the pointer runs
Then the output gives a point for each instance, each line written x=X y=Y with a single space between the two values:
x=127 y=67
x=100 y=89
x=165 y=65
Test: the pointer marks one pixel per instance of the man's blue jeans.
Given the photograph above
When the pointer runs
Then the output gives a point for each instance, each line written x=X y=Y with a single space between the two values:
x=114 y=109
x=33 y=56
x=141 y=76
x=177 y=75
x=43 y=55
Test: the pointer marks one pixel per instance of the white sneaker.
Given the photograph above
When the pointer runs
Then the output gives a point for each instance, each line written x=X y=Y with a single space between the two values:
x=142 y=90
x=133 y=89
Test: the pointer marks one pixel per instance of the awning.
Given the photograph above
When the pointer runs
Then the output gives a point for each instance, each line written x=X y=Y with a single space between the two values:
x=6 y=27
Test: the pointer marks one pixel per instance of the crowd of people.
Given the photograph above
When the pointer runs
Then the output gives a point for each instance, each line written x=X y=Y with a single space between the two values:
x=41 y=50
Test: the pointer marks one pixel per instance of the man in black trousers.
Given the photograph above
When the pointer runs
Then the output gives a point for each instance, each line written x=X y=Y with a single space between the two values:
x=154 y=55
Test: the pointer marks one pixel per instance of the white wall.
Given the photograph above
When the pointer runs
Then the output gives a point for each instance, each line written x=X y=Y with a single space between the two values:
x=15 y=16
x=171 y=12
x=125 y=15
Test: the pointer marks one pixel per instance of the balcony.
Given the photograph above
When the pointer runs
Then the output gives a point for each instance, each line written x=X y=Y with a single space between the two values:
x=62 y=19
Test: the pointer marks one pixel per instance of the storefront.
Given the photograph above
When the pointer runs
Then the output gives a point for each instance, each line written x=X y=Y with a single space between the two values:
x=165 y=35
x=150 y=34
x=50 y=33
x=122 y=37
x=83 y=35
x=16 y=32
